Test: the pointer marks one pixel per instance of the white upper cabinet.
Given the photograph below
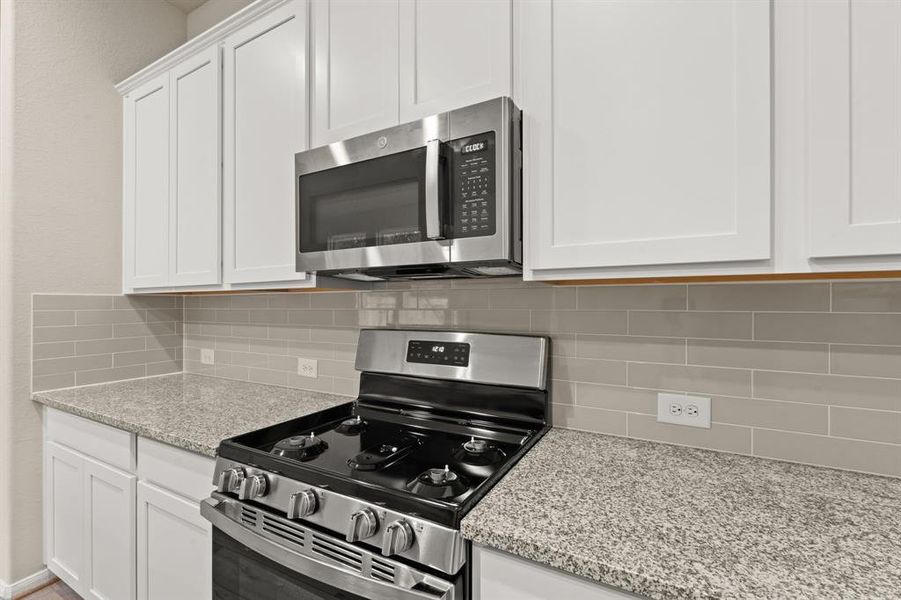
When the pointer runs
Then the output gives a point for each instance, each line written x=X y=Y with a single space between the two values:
x=194 y=201
x=354 y=78
x=854 y=127
x=171 y=177
x=647 y=132
x=453 y=54
x=146 y=185
x=265 y=124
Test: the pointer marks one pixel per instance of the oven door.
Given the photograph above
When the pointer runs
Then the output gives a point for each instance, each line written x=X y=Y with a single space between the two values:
x=258 y=555
x=378 y=200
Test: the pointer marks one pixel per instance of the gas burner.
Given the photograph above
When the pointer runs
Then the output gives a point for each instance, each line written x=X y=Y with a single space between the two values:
x=382 y=455
x=351 y=426
x=474 y=446
x=478 y=453
x=300 y=447
x=438 y=483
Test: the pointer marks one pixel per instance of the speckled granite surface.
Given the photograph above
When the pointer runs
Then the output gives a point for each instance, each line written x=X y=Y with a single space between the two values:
x=673 y=522
x=193 y=412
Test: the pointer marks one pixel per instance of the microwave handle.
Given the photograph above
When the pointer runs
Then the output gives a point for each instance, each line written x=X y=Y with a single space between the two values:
x=432 y=182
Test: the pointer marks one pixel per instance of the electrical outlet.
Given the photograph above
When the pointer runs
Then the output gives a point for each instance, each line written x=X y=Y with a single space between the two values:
x=682 y=409
x=308 y=367
x=207 y=356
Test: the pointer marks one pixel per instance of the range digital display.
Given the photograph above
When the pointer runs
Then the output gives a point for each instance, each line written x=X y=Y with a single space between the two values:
x=452 y=354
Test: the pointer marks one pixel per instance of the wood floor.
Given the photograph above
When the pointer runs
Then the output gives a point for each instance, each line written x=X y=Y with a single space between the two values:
x=54 y=591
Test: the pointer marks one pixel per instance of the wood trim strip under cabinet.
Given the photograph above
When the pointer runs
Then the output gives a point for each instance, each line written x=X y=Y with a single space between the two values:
x=733 y=278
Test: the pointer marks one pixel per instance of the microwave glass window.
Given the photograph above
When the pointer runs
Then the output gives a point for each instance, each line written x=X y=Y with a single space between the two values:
x=377 y=215
x=378 y=202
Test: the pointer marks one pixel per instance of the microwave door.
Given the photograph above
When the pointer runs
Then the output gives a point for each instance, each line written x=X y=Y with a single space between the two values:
x=380 y=212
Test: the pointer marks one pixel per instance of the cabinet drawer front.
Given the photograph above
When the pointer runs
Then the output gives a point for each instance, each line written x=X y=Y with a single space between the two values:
x=113 y=446
x=185 y=473
x=500 y=575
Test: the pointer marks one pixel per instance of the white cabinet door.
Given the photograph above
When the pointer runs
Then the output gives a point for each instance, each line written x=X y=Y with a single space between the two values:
x=646 y=132
x=453 y=54
x=64 y=514
x=174 y=547
x=109 y=532
x=265 y=125
x=501 y=576
x=89 y=524
x=354 y=68
x=194 y=200
x=854 y=130
x=146 y=185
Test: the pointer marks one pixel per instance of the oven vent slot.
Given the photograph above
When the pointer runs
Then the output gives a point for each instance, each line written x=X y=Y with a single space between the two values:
x=382 y=570
x=282 y=530
x=249 y=516
x=346 y=556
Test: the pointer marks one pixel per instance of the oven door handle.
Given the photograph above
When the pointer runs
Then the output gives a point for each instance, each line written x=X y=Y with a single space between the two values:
x=211 y=510
x=432 y=190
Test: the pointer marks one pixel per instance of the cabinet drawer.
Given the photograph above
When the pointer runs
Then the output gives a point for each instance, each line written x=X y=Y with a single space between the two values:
x=185 y=473
x=113 y=446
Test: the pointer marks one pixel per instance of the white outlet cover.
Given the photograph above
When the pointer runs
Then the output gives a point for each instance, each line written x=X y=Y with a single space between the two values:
x=308 y=367
x=693 y=411
x=207 y=356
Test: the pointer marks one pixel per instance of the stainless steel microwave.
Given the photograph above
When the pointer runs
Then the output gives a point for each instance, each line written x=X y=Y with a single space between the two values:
x=438 y=197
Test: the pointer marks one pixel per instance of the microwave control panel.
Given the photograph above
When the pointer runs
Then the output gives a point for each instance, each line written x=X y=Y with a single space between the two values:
x=474 y=174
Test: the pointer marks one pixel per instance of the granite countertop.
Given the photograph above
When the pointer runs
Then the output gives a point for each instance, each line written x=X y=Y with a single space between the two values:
x=194 y=412
x=673 y=522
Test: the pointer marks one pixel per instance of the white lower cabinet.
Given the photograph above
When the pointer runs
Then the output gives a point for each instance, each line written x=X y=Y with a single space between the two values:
x=110 y=536
x=174 y=547
x=501 y=576
x=64 y=514
x=90 y=524
x=109 y=532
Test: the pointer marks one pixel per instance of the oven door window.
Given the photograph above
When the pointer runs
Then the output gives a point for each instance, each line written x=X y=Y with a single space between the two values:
x=241 y=574
x=377 y=202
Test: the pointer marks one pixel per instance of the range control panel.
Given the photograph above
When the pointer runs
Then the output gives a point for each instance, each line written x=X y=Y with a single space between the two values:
x=474 y=175
x=452 y=354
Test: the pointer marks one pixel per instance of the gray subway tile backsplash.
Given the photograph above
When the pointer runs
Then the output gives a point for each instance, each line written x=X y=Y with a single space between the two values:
x=808 y=372
x=86 y=339
x=760 y=297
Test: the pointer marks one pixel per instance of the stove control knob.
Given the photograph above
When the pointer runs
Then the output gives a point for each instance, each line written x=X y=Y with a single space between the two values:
x=302 y=504
x=255 y=486
x=230 y=480
x=363 y=524
x=398 y=538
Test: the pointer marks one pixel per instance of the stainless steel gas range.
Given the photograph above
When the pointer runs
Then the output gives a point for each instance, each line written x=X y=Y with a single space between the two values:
x=364 y=500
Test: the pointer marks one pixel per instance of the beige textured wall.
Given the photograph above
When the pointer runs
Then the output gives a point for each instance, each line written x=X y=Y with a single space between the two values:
x=62 y=199
x=211 y=12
